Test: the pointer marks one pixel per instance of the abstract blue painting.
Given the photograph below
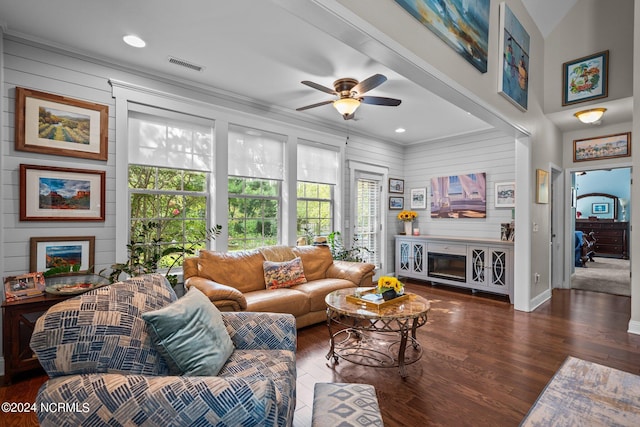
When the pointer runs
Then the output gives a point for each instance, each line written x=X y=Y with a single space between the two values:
x=462 y=24
x=513 y=75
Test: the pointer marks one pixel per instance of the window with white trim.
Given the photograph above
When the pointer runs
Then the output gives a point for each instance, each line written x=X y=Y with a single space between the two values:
x=317 y=174
x=170 y=165
x=256 y=172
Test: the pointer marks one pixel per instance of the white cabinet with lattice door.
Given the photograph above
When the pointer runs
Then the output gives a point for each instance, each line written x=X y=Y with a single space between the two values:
x=411 y=258
x=490 y=268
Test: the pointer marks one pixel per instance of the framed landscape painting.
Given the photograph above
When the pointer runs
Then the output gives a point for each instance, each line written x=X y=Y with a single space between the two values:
x=585 y=79
x=418 y=198
x=51 y=252
x=61 y=194
x=396 y=203
x=53 y=124
x=396 y=185
x=513 y=73
x=602 y=147
x=463 y=25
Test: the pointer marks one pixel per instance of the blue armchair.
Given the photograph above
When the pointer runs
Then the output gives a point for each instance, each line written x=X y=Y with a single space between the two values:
x=103 y=366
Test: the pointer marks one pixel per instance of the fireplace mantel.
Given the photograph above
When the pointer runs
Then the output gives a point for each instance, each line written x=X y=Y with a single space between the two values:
x=475 y=263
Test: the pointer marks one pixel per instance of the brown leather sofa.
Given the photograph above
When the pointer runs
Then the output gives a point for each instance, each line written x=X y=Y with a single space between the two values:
x=234 y=281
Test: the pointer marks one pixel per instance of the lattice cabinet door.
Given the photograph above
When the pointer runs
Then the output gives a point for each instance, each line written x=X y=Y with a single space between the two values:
x=477 y=266
x=500 y=269
x=411 y=258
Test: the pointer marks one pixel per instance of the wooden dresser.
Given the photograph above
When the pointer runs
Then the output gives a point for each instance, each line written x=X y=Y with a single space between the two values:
x=611 y=236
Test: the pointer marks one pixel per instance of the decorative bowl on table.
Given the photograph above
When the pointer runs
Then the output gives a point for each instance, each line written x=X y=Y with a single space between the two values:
x=72 y=284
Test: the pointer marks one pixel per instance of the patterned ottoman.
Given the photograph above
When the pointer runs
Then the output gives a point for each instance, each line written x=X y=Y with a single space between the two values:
x=345 y=405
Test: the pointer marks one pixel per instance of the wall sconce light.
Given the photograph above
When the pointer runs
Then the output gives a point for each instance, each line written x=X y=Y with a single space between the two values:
x=590 y=116
x=346 y=106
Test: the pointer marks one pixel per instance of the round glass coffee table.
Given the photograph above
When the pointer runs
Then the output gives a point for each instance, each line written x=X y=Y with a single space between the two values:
x=373 y=334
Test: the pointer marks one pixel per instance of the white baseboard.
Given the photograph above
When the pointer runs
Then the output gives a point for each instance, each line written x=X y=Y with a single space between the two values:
x=540 y=299
x=634 y=327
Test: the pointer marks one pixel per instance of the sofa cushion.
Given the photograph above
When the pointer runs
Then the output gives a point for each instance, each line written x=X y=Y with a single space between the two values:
x=102 y=331
x=190 y=335
x=317 y=290
x=283 y=274
x=241 y=270
x=315 y=261
x=283 y=300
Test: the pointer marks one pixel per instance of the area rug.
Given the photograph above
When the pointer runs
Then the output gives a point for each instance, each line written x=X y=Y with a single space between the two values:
x=584 y=393
x=608 y=275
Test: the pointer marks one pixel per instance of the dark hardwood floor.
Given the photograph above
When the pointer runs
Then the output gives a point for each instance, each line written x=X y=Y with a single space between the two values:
x=483 y=363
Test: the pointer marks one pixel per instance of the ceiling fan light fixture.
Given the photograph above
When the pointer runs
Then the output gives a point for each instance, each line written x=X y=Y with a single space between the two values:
x=346 y=106
x=590 y=116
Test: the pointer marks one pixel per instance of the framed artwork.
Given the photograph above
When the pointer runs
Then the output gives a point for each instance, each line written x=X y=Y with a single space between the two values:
x=418 y=198
x=586 y=78
x=505 y=194
x=396 y=203
x=51 y=252
x=464 y=26
x=396 y=185
x=61 y=194
x=600 y=208
x=459 y=196
x=542 y=186
x=602 y=147
x=53 y=124
x=513 y=73
x=28 y=285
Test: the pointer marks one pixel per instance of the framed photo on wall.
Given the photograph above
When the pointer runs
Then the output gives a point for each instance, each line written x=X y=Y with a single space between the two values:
x=51 y=252
x=602 y=147
x=542 y=186
x=418 y=198
x=505 y=194
x=396 y=185
x=61 y=194
x=396 y=203
x=585 y=79
x=53 y=124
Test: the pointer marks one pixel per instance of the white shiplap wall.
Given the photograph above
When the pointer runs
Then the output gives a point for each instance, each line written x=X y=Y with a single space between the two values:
x=491 y=152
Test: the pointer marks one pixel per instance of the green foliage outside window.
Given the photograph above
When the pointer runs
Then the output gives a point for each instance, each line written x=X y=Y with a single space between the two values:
x=168 y=219
x=253 y=212
x=314 y=210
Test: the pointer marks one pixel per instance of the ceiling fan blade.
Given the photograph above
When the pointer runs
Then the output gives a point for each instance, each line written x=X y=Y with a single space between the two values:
x=378 y=100
x=319 y=104
x=368 y=84
x=319 y=87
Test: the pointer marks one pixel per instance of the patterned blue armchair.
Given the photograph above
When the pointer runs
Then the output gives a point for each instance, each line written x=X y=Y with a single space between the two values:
x=104 y=369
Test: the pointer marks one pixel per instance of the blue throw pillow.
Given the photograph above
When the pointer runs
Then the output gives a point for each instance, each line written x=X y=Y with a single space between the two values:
x=190 y=335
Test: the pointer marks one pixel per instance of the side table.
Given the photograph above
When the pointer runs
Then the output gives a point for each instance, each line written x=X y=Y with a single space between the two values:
x=19 y=319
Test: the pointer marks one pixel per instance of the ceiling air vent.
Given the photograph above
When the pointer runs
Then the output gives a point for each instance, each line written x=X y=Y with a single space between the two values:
x=186 y=64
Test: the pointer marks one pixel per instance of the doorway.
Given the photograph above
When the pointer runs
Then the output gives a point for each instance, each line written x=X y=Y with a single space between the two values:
x=601 y=231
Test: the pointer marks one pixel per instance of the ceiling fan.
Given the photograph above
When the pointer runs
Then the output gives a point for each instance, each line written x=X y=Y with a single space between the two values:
x=350 y=95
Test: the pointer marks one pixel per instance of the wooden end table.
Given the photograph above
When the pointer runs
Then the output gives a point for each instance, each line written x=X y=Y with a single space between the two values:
x=375 y=336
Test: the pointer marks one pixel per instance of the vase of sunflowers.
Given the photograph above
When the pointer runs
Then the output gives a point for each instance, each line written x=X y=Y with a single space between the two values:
x=407 y=217
x=389 y=287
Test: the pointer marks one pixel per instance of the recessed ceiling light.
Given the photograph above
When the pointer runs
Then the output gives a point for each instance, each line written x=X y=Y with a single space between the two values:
x=401 y=130
x=134 y=41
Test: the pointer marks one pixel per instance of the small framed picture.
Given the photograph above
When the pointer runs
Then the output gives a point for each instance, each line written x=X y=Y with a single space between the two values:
x=50 y=252
x=28 y=285
x=61 y=194
x=396 y=185
x=602 y=147
x=600 y=208
x=53 y=124
x=505 y=194
x=585 y=79
x=542 y=186
x=396 y=203
x=418 y=198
